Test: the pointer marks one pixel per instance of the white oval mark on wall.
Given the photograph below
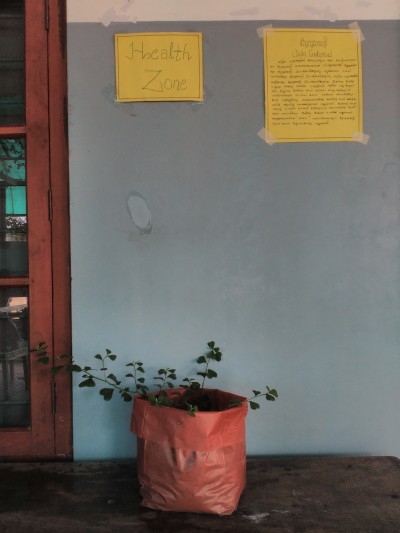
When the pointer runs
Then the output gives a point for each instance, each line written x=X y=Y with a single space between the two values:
x=139 y=212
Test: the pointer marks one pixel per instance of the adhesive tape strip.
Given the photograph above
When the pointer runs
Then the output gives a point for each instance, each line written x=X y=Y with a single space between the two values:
x=266 y=136
x=360 y=137
x=264 y=30
x=357 y=33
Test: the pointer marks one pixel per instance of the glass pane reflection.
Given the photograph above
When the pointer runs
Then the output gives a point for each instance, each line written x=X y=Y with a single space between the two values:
x=13 y=220
x=12 y=64
x=14 y=365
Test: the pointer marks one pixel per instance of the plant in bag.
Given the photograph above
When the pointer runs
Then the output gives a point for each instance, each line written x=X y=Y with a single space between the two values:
x=204 y=449
x=191 y=394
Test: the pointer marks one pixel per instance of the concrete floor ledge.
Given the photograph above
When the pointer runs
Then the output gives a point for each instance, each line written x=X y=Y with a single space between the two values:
x=301 y=494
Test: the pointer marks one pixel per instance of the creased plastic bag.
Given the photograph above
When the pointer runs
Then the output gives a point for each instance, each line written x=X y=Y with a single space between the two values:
x=191 y=464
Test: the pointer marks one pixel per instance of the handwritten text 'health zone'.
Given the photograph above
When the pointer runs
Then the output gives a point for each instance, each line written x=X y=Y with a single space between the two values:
x=155 y=78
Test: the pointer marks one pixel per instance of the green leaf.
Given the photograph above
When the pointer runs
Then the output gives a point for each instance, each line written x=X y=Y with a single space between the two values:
x=141 y=380
x=254 y=405
x=89 y=382
x=171 y=376
x=274 y=392
x=211 y=374
x=108 y=351
x=202 y=374
x=113 y=378
x=98 y=356
x=55 y=370
x=256 y=392
x=192 y=409
x=44 y=360
x=73 y=368
x=107 y=394
x=112 y=357
x=140 y=369
x=270 y=397
x=42 y=346
x=152 y=399
x=201 y=360
x=126 y=396
x=129 y=376
x=218 y=356
x=211 y=344
x=161 y=371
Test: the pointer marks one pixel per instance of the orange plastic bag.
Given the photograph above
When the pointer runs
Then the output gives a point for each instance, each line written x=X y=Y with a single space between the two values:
x=191 y=464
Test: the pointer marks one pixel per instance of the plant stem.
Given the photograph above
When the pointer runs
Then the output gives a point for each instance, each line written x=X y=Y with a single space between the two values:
x=110 y=383
x=205 y=376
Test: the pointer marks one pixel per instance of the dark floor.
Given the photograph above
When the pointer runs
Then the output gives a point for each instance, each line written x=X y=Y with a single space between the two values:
x=313 y=495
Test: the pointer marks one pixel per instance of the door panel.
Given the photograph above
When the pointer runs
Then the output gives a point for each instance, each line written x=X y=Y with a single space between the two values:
x=29 y=418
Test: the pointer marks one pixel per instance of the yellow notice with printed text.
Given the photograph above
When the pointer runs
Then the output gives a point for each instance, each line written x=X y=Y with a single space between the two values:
x=158 y=67
x=313 y=85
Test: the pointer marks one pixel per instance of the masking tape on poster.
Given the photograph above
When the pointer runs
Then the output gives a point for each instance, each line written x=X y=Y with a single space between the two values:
x=360 y=137
x=357 y=33
x=266 y=136
x=264 y=30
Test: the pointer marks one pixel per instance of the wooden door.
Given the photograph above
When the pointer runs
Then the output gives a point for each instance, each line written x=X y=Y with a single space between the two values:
x=34 y=245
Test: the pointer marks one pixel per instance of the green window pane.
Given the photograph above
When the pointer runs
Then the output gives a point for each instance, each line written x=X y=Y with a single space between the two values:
x=12 y=161
x=16 y=201
x=13 y=219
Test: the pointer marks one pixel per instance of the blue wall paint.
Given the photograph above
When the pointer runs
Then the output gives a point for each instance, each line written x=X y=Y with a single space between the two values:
x=287 y=255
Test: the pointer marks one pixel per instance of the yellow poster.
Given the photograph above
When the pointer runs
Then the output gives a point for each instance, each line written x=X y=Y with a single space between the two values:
x=313 y=85
x=158 y=67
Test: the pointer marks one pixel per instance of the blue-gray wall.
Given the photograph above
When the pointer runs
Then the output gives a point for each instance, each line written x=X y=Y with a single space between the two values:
x=286 y=255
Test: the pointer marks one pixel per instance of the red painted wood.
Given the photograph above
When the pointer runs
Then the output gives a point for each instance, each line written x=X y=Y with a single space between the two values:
x=39 y=229
x=14 y=282
x=12 y=131
x=60 y=223
x=48 y=241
